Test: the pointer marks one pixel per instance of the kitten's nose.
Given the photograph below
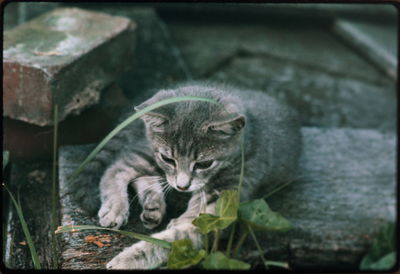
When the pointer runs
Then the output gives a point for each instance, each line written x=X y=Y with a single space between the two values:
x=183 y=181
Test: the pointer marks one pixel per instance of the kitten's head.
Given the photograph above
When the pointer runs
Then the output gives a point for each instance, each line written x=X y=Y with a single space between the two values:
x=192 y=140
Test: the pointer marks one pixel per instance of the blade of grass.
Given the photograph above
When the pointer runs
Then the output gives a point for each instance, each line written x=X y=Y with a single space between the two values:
x=230 y=241
x=54 y=193
x=277 y=189
x=134 y=117
x=76 y=228
x=35 y=258
x=241 y=177
x=260 y=251
x=243 y=237
x=6 y=157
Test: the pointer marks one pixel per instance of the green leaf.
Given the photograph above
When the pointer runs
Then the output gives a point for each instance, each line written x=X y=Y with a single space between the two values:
x=218 y=260
x=207 y=222
x=382 y=255
x=259 y=216
x=227 y=205
x=183 y=254
x=385 y=263
x=134 y=117
x=76 y=228
x=226 y=208
x=6 y=156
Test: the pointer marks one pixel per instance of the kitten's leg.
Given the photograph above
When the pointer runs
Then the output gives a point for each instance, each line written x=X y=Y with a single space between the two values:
x=151 y=198
x=114 y=209
x=144 y=255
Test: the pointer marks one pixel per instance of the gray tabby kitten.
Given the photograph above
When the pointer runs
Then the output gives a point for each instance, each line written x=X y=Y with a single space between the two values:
x=193 y=147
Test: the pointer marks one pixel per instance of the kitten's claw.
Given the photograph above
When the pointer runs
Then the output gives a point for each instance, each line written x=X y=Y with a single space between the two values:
x=113 y=214
x=153 y=212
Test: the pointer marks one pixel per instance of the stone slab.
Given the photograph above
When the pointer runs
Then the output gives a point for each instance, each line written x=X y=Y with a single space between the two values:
x=208 y=45
x=321 y=99
x=384 y=13
x=344 y=192
x=65 y=57
x=31 y=142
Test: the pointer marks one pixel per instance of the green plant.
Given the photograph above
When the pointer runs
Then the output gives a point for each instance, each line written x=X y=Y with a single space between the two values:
x=32 y=249
x=252 y=215
x=382 y=254
x=17 y=205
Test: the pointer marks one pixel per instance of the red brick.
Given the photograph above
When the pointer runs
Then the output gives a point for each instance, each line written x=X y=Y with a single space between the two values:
x=65 y=57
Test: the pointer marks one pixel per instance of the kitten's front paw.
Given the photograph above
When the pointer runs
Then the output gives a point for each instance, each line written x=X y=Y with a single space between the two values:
x=141 y=255
x=114 y=213
x=153 y=212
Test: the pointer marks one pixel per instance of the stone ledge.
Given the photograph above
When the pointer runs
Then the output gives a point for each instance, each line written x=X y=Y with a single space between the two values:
x=344 y=192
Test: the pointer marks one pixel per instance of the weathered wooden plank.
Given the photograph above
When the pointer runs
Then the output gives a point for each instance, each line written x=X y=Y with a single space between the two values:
x=344 y=192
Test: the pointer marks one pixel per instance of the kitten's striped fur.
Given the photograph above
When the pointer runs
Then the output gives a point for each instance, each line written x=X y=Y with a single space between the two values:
x=191 y=146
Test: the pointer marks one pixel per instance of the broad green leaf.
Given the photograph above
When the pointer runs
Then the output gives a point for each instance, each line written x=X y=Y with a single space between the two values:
x=227 y=205
x=226 y=208
x=387 y=262
x=183 y=254
x=207 y=223
x=381 y=256
x=259 y=216
x=218 y=260
x=6 y=156
x=76 y=228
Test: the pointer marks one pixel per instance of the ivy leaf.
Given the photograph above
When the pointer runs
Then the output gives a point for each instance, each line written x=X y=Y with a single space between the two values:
x=217 y=260
x=227 y=205
x=226 y=209
x=207 y=222
x=183 y=254
x=382 y=255
x=259 y=216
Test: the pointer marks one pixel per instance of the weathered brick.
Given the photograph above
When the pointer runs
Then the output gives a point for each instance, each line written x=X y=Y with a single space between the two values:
x=65 y=57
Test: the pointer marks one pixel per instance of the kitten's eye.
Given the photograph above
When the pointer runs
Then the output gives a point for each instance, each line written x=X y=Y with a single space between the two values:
x=167 y=160
x=203 y=165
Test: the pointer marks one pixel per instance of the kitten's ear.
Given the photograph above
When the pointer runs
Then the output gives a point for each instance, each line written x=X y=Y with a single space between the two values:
x=153 y=120
x=228 y=128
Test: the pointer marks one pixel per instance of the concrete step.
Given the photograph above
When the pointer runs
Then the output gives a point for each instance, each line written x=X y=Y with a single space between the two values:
x=344 y=192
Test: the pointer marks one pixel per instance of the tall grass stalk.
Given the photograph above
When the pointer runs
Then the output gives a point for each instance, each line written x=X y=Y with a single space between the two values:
x=260 y=251
x=35 y=258
x=54 y=192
